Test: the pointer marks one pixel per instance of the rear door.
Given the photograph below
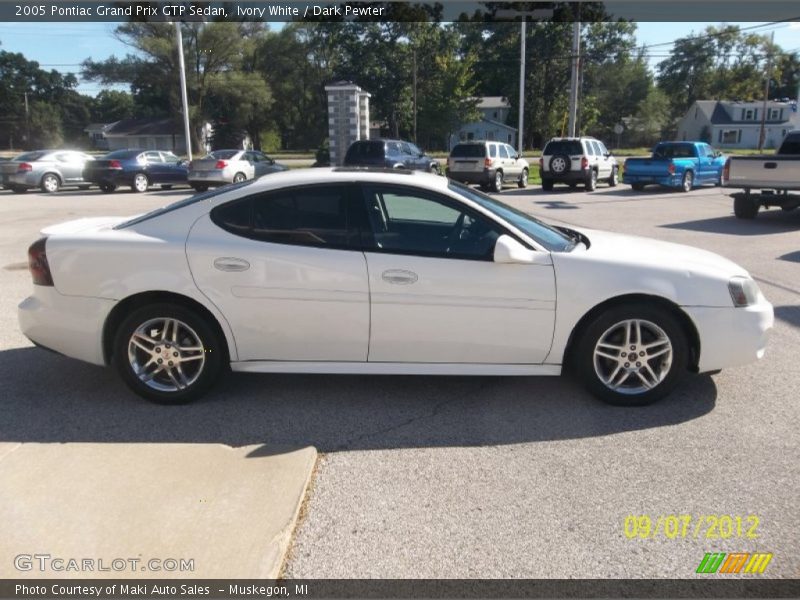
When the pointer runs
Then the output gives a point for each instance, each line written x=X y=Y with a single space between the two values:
x=467 y=158
x=175 y=170
x=287 y=271
x=70 y=164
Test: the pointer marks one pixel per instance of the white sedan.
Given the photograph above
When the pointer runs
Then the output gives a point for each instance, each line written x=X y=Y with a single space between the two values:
x=351 y=271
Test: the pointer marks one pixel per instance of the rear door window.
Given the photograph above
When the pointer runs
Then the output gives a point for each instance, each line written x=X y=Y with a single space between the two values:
x=504 y=152
x=468 y=151
x=568 y=147
x=596 y=148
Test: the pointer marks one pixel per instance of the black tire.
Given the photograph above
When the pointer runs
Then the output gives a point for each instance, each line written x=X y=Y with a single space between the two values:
x=239 y=178
x=637 y=186
x=50 y=183
x=788 y=208
x=18 y=189
x=745 y=206
x=140 y=183
x=560 y=164
x=687 y=183
x=497 y=183
x=591 y=181
x=547 y=185
x=606 y=325
x=573 y=185
x=107 y=187
x=613 y=180
x=522 y=182
x=214 y=353
x=199 y=187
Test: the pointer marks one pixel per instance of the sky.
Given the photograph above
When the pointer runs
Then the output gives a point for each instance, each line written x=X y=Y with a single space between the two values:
x=63 y=46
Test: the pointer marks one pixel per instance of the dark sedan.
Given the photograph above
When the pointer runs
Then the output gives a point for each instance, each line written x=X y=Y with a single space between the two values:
x=138 y=169
x=389 y=154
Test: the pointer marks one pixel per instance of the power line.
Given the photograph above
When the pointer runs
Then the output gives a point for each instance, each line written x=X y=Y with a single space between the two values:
x=721 y=33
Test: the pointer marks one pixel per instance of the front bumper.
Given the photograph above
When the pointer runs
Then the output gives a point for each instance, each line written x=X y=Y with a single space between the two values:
x=730 y=337
x=69 y=325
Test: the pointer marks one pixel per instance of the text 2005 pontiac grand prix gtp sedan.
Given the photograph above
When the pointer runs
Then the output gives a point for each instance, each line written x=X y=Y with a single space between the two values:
x=347 y=271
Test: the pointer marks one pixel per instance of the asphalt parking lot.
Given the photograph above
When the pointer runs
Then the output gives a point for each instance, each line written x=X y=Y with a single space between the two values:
x=475 y=477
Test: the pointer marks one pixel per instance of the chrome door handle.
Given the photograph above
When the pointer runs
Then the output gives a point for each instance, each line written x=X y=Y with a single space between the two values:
x=228 y=263
x=399 y=276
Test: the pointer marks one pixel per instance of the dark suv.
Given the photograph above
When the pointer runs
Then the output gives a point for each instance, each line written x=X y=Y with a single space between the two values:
x=390 y=154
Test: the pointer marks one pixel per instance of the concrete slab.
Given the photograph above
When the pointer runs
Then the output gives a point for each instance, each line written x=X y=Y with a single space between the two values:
x=114 y=508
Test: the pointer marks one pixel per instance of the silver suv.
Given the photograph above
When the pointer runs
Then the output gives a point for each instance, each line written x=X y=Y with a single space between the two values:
x=489 y=164
x=577 y=160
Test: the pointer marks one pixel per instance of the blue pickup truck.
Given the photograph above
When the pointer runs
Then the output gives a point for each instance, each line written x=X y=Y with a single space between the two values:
x=681 y=165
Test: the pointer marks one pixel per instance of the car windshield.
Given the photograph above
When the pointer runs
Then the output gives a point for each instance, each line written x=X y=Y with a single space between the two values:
x=223 y=154
x=791 y=145
x=546 y=235
x=468 y=151
x=181 y=203
x=563 y=147
x=30 y=156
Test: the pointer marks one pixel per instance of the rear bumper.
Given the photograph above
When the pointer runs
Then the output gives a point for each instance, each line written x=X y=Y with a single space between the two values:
x=665 y=180
x=25 y=179
x=69 y=325
x=481 y=177
x=210 y=178
x=730 y=337
x=568 y=177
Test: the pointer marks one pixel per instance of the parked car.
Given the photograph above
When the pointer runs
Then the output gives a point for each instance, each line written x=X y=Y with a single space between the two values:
x=47 y=170
x=230 y=166
x=336 y=271
x=773 y=175
x=578 y=160
x=489 y=164
x=680 y=165
x=138 y=169
x=389 y=154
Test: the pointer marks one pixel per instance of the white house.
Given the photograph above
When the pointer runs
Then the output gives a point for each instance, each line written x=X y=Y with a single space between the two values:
x=146 y=134
x=492 y=126
x=733 y=124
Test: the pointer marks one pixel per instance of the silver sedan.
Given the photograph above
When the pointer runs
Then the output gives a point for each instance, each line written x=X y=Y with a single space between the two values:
x=48 y=170
x=230 y=166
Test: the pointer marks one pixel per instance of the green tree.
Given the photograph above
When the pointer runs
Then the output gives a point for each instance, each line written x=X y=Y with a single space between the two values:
x=112 y=105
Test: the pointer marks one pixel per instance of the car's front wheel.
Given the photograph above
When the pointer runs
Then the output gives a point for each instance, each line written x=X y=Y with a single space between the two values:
x=632 y=355
x=168 y=354
x=140 y=182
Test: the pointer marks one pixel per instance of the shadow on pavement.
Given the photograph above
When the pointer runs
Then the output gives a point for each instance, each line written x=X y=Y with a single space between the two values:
x=50 y=398
x=788 y=314
x=767 y=222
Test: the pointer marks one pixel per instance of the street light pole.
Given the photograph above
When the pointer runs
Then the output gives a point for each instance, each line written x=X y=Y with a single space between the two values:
x=521 y=86
x=573 y=89
x=184 y=97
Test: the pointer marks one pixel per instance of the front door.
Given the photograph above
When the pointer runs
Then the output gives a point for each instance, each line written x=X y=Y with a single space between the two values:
x=437 y=296
x=280 y=267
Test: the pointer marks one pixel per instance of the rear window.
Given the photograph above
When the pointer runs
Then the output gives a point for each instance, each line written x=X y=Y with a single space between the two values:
x=791 y=145
x=223 y=154
x=468 y=151
x=365 y=150
x=674 y=151
x=123 y=154
x=30 y=156
x=563 y=147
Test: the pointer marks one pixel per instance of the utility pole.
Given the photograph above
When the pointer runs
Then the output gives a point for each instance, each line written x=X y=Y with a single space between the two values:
x=184 y=97
x=415 y=95
x=766 y=93
x=523 y=35
x=27 y=124
x=573 y=88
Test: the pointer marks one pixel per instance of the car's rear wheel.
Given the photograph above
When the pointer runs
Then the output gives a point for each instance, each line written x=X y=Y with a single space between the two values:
x=107 y=187
x=632 y=354
x=50 y=183
x=497 y=184
x=18 y=189
x=140 y=182
x=614 y=178
x=591 y=181
x=167 y=353
x=637 y=186
x=198 y=187
x=687 y=182
x=522 y=182
x=745 y=206
x=547 y=184
x=239 y=178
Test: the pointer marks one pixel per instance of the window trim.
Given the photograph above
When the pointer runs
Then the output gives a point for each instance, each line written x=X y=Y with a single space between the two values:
x=352 y=235
x=447 y=201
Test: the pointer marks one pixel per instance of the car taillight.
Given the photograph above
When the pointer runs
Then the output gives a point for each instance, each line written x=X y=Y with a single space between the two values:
x=671 y=169
x=487 y=162
x=221 y=164
x=726 y=171
x=114 y=164
x=584 y=163
x=37 y=263
x=24 y=167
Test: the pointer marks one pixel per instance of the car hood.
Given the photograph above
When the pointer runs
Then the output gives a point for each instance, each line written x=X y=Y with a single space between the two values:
x=646 y=252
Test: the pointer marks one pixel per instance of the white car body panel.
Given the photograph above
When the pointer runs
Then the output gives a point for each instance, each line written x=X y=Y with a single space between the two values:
x=303 y=309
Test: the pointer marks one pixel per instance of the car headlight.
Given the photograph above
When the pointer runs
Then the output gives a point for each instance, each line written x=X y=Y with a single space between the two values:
x=744 y=291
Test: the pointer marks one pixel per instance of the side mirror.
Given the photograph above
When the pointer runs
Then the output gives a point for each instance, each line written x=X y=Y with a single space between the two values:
x=507 y=250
